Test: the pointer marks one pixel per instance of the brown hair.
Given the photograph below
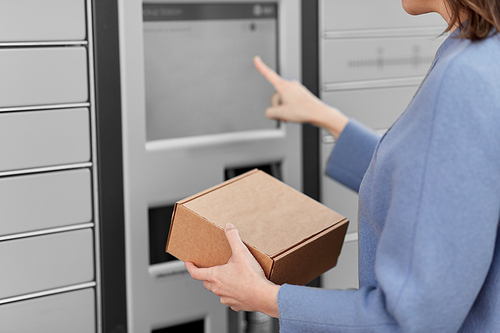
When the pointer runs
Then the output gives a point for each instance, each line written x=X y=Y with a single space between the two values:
x=481 y=15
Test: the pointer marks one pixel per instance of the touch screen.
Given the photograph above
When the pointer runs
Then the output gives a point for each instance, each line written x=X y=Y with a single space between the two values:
x=200 y=77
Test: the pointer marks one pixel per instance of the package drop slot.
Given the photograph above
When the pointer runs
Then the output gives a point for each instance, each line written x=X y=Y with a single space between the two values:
x=46 y=262
x=159 y=225
x=197 y=326
x=60 y=313
x=273 y=169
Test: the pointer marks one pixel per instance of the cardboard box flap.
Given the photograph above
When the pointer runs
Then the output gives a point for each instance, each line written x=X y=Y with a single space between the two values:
x=310 y=259
x=193 y=243
x=255 y=215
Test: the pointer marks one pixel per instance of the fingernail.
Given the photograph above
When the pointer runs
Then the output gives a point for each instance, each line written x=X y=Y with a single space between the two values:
x=229 y=226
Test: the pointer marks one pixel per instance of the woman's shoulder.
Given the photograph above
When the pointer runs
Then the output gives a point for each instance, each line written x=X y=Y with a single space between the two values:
x=465 y=89
x=471 y=63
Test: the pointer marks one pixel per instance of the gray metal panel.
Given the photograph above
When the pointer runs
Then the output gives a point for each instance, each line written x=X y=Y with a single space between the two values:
x=363 y=59
x=46 y=200
x=46 y=262
x=369 y=15
x=44 y=138
x=345 y=274
x=342 y=200
x=69 y=312
x=376 y=108
x=334 y=195
x=47 y=20
x=37 y=76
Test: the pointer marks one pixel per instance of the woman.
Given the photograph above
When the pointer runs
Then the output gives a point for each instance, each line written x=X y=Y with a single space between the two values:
x=429 y=257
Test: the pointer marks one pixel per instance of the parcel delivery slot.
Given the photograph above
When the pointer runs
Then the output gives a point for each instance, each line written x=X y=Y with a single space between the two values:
x=197 y=326
x=273 y=169
x=159 y=225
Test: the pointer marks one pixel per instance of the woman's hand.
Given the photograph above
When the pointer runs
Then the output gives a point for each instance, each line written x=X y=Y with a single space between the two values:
x=293 y=102
x=241 y=283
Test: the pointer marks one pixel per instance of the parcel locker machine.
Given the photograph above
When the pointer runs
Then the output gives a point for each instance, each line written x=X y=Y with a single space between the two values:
x=113 y=110
x=193 y=116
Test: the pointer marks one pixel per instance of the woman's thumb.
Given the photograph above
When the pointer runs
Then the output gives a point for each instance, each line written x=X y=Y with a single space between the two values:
x=233 y=237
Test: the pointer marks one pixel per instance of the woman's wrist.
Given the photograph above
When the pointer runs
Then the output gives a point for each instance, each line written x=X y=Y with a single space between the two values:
x=269 y=305
x=330 y=119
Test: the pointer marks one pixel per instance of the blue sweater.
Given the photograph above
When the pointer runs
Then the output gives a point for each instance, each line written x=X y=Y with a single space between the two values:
x=429 y=190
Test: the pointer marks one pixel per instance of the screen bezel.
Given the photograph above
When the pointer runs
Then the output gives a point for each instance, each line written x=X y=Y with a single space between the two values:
x=224 y=137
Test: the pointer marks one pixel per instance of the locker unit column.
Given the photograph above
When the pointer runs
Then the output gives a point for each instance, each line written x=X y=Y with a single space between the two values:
x=372 y=58
x=49 y=239
x=189 y=121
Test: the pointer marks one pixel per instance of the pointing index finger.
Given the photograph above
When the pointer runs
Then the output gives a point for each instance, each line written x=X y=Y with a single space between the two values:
x=268 y=73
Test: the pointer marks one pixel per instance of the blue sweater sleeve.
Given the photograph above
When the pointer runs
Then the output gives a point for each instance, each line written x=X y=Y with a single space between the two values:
x=352 y=154
x=438 y=240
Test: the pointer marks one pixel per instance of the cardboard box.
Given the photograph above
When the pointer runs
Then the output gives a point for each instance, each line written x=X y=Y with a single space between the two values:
x=293 y=237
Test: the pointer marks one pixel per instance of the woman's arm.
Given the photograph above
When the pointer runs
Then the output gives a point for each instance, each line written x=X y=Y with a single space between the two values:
x=352 y=154
x=353 y=150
